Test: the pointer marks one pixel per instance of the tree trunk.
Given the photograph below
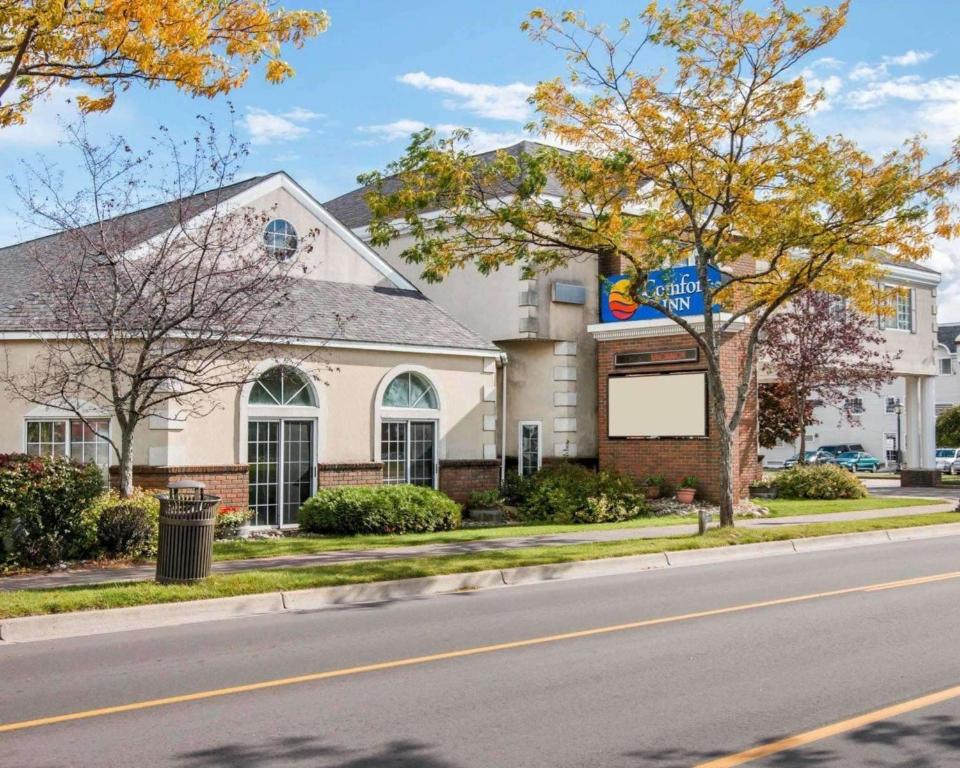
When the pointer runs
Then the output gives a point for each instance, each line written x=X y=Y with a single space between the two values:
x=126 y=464
x=802 y=423
x=718 y=401
x=727 y=500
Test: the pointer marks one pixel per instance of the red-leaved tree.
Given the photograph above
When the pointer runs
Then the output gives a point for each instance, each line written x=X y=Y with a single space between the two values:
x=817 y=347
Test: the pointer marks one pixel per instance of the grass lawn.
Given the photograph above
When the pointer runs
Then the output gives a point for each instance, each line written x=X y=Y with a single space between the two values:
x=787 y=507
x=308 y=544
x=34 y=602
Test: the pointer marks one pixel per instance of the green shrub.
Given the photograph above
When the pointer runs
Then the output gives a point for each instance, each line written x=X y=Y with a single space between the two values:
x=818 y=481
x=515 y=488
x=379 y=509
x=229 y=522
x=126 y=527
x=491 y=499
x=570 y=493
x=948 y=427
x=42 y=505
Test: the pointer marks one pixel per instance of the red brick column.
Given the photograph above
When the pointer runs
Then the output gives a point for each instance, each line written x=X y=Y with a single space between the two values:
x=461 y=477
x=676 y=458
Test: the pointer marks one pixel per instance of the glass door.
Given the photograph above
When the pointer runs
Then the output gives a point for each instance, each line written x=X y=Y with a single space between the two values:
x=281 y=461
x=422 y=452
x=408 y=450
x=297 y=465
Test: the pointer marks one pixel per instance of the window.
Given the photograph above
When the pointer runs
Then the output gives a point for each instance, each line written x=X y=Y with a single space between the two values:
x=854 y=405
x=408 y=446
x=903 y=310
x=410 y=390
x=890 y=446
x=281 y=385
x=280 y=239
x=82 y=442
x=530 y=451
x=946 y=366
x=891 y=404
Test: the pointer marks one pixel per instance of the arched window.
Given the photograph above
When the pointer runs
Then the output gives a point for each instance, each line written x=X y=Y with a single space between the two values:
x=281 y=386
x=280 y=239
x=410 y=390
x=410 y=412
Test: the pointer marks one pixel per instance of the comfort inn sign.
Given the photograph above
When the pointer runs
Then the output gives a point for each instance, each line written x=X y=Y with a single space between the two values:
x=678 y=289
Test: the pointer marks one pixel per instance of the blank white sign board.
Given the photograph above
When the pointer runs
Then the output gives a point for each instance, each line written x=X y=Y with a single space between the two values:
x=671 y=405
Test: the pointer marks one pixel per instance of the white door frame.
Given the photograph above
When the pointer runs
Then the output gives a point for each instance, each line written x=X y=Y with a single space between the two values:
x=520 y=426
x=280 y=420
x=408 y=420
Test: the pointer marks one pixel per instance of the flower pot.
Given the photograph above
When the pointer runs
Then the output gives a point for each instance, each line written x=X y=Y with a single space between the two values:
x=685 y=495
x=652 y=492
x=763 y=492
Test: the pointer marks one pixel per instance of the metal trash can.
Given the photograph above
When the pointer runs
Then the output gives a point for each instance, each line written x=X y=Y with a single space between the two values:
x=185 y=547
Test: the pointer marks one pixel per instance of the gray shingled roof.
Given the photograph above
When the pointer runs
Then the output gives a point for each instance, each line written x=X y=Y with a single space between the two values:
x=317 y=309
x=947 y=335
x=352 y=210
x=371 y=314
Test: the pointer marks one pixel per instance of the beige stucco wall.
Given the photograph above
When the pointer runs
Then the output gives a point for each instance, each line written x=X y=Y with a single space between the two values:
x=486 y=304
x=330 y=257
x=346 y=382
x=489 y=304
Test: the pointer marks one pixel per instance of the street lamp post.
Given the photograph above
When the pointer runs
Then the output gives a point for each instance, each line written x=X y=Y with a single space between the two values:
x=898 y=409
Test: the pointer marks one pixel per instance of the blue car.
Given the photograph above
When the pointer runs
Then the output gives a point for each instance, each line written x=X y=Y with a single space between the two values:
x=858 y=461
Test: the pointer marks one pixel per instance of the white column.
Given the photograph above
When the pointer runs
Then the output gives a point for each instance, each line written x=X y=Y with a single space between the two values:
x=928 y=423
x=911 y=423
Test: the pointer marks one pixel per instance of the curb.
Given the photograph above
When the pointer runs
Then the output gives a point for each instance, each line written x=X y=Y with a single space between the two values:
x=83 y=623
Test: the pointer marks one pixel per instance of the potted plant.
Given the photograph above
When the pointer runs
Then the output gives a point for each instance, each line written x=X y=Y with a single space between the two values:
x=653 y=485
x=687 y=490
x=763 y=489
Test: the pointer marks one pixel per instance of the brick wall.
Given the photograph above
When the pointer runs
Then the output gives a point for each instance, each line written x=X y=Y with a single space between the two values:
x=678 y=458
x=461 y=477
x=353 y=473
x=228 y=481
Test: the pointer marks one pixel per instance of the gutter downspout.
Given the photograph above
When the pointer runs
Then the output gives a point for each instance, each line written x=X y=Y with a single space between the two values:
x=503 y=419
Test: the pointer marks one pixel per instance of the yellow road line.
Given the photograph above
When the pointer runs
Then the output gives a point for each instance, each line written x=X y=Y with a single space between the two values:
x=825 y=732
x=475 y=651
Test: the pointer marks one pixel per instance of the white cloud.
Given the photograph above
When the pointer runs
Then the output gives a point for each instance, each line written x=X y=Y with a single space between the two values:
x=864 y=71
x=498 y=102
x=829 y=62
x=830 y=86
x=267 y=127
x=44 y=123
x=480 y=140
x=398 y=129
x=909 y=59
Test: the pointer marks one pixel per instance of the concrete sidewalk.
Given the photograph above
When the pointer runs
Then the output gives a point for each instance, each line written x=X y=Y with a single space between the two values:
x=68 y=578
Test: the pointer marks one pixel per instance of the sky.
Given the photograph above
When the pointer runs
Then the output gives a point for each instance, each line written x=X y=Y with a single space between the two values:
x=386 y=68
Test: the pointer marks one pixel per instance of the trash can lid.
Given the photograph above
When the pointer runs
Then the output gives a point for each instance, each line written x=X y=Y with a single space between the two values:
x=180 y=484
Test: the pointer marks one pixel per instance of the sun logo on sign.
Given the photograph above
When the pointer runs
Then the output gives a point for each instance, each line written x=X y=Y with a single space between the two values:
x=622 y=306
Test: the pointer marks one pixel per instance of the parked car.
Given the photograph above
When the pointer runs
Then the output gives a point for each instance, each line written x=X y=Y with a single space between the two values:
x=858 y=461
x=810 y=457
x=836 y=450
x=948 y=460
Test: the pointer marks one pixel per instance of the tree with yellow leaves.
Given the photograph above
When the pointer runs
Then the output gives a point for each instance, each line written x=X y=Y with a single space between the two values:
x=709 y=162
x=204 y=47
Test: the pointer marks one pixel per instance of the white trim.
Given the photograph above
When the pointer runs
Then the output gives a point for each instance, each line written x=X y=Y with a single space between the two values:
x=44 y=413
x=520 y=426
x=633 y=329
x=280 y=180
x=293 y=341
x=911 y=274
x=383 y=413
x=246 y=411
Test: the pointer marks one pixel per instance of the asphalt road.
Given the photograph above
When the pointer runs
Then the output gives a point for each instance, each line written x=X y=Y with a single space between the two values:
x=685 y=691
